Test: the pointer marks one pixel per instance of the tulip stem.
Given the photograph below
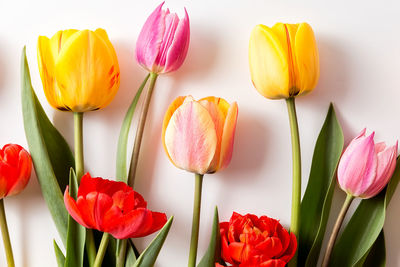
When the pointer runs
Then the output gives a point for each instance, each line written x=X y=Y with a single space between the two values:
x=79 y=169
x=296 y=184
x=121 y=253
x=195 y=220
x=336 y=228
x=6 y=236
x=140 y=129
x=78 y=141
x=102 y=250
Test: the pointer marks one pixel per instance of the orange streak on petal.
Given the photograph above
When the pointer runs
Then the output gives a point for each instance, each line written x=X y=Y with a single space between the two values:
x=228 y=136
x=167 y=117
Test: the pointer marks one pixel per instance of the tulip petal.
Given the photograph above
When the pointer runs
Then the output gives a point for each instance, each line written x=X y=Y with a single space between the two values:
x=190 y=138
x=176 y=54
x=24 y=167
x=150 y=38
x=268 y=63
x=385 y=168
x=357 y=167
x=84 y=65
x=213 y=106
x=87 y=206
x=273 y=263
x=73 y=209
x=228 y=137
x=167 y=117
x=291 y=250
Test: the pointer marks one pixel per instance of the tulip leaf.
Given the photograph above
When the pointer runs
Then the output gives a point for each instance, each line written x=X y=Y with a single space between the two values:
x=149 y=255
x=364 y=227
x=213 y=253
x=317 y=199
x=377 y=255
x=130 y=254
x=122 y=171
x=59 y=255
x=76 y=232
x=52 y=157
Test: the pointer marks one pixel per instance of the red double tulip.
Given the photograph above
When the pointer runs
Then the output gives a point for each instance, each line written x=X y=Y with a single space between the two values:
x=112 y=207
x=249 y=241
x=15 y=169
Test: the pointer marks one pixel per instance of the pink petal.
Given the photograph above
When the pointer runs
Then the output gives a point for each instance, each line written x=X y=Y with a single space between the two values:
x=177 y=51
x=385 y=169
x=190 y=138
x=357 y=167
x=150 y=38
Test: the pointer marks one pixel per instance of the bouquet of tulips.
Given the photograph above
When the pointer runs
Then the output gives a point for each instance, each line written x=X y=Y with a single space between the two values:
x=98 y=219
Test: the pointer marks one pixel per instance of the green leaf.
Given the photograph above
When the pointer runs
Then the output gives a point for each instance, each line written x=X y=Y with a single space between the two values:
x=317 y=199
x=377 y=255
x=213 y=253
x=149 y=255
x=364 y=226
x=50 y=152
x=130 y=254
x=122 y=171
x=59 y=255
x=76 y=232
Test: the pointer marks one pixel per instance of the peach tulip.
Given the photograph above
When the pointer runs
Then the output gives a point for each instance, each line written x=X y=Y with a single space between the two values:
x=198 y=136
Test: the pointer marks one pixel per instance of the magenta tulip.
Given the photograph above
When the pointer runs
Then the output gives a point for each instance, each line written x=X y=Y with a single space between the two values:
x=163 y=42
x=365 y=167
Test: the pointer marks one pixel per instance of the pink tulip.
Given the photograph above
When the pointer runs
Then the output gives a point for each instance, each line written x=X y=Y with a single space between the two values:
x=365 y=167
x=163 y=42
x=198 y=136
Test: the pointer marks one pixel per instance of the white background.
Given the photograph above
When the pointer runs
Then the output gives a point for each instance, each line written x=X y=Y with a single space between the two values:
x=359 y=45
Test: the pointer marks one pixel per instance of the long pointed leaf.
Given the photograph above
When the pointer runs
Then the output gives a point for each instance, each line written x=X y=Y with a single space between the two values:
x=317 y=199
x=149 y=255
x=130 y=254
x=50 y=152
x=122 y=172
x=59 y=255
x=377 y=256
x=213 y=253
x=76 y=232
x=364 y=226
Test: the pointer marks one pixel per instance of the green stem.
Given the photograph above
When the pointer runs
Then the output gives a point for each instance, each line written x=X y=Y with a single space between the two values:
x=121 y=257
x=140 y=129
x=195 y=220
x=6 y=236
x=336 y=228
x=102 y=250
x=79 y=169
x=78 y=141
x=296 y=184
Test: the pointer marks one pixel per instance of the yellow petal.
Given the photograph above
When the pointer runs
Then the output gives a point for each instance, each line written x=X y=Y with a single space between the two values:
x=86 y=72
x=228 y=137
x=217 y=108
x=268 y=63
x=307 y=59
x=47 y=72
x=190 y=138
x=167 y=117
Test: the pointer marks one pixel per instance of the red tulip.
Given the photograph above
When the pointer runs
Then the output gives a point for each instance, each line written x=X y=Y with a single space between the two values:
x=15 y=169
x=112 y=207
x=249 y=241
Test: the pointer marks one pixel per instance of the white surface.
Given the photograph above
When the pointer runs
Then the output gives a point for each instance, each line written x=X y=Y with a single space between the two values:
x=360 y=63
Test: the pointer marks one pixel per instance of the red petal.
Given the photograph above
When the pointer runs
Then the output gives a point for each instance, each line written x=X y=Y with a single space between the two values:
x=291 y=250
x=73 y=210
x=236 y=251
x=102 y=205
x=284 y=236
x=273 y=263
x=109 y=187
x=87 y=205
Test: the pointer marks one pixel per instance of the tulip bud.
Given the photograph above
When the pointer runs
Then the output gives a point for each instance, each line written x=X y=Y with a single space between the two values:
x=15 y=170
x=198 y=136
x=79 y=69
x=365 y=167
x=163 y=43
x=283 y=60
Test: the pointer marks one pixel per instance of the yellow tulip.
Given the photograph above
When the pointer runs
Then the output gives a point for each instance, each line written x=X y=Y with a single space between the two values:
x=283 y=60
x=79 y=69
